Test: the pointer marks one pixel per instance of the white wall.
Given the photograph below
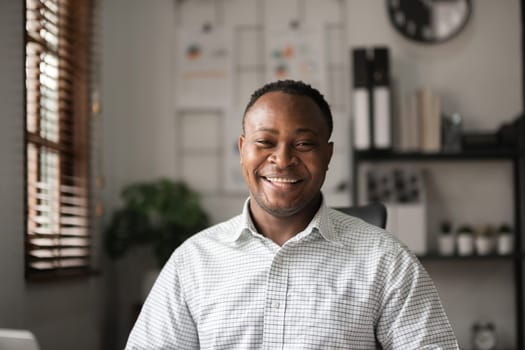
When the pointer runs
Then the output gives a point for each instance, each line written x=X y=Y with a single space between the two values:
x=63 y=315
x=139 y=129
x=477 y=74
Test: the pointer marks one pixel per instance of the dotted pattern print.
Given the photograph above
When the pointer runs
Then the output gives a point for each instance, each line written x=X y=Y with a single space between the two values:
x=339 y=284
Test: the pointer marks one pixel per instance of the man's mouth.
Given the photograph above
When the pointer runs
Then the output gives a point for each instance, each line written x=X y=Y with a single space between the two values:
x=281 y=180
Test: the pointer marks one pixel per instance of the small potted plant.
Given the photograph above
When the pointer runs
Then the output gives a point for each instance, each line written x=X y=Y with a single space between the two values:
x=484 y=240
x=446 y=241
x=465 y=240
x=161 y=213
x=505 y=240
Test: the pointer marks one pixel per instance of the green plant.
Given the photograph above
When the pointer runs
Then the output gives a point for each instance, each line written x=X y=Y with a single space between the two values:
x=162 y=213
x=487 y=231
x=465 y=229
x=446 y=227
x=504 y=229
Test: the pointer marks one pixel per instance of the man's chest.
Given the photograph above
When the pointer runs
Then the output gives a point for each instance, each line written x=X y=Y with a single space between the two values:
x=287 y=301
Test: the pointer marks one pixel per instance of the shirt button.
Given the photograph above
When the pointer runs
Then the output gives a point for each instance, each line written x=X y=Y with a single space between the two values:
x=275 y=304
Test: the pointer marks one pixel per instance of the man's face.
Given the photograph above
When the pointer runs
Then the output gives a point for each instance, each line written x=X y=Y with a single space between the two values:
x=284 y=152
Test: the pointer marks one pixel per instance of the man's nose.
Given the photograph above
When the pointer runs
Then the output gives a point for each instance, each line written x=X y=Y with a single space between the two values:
x=283 y=157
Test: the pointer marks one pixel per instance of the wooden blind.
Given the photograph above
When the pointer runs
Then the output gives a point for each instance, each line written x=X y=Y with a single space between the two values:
x=58 y=236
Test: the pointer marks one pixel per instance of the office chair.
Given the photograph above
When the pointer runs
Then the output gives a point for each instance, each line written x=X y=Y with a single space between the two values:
x=373 y=213
x=15 y=339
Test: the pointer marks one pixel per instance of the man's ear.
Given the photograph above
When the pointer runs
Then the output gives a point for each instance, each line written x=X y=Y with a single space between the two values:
x=240 y=146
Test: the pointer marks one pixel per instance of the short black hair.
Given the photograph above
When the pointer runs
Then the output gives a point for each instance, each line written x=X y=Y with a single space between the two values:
x=294 y=87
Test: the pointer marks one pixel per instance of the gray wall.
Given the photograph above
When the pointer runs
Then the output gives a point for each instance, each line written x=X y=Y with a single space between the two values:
x=139 y=144
x=477 y=74
x=11 y=172
x=63 y=315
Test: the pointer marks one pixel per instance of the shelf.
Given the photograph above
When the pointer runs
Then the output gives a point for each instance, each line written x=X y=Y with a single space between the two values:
x=496 y=154
x=513 y=155
x=432 y=257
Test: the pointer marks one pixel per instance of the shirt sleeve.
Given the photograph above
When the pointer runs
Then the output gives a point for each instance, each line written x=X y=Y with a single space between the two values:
x=411 y=314
x=165 y=321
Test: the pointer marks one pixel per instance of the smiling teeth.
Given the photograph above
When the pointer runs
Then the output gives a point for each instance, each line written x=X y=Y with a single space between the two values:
x=282 y=179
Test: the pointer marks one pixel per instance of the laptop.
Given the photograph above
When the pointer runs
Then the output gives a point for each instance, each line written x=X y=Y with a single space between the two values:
x=15 y=339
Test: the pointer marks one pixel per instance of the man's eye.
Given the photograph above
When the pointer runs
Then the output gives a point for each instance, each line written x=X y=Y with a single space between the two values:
x=304 y=145
x=263 y=143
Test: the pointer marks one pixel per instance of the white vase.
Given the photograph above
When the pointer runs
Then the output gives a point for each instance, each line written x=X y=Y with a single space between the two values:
x=465 y=244
x=446 y=244
x=484 y=245
x=505 y=244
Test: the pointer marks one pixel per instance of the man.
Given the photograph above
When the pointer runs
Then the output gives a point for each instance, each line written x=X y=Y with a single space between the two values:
x=289 y=272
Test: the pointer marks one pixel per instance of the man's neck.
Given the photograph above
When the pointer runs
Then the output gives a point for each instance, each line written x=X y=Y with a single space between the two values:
x=281 y=229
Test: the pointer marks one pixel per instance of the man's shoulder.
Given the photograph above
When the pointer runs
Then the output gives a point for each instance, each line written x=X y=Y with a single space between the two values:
x=207 y=245
x=215 y=234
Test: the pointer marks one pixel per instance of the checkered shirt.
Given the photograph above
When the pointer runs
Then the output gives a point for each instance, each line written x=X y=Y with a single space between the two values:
x=339 y=284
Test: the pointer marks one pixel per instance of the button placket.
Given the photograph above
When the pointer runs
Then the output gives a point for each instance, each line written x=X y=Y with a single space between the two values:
x=274 y=313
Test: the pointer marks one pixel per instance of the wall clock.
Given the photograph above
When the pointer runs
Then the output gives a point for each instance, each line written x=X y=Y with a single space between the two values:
x=484 y=336
x=429 y=21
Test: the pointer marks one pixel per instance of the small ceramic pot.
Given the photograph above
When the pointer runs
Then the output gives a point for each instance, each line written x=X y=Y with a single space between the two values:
x=465 y=244
x=446 y=244
x=505 y=244
x=484 y=245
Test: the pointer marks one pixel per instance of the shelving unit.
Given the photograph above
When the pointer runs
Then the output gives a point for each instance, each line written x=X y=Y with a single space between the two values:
x=434 y=256
x=518 y=177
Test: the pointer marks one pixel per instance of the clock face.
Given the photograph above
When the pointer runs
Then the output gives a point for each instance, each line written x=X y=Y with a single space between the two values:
x=484 y=337
x=429 y=21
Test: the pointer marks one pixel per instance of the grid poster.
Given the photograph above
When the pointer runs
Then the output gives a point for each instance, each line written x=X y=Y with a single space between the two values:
x=204 y=69
x=233 y=178
x=296 y=53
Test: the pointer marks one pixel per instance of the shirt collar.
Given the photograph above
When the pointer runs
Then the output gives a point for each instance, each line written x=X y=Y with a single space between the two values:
x=321 y=223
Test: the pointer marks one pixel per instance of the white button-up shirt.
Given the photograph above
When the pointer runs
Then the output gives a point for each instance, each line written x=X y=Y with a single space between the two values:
x=339 y=284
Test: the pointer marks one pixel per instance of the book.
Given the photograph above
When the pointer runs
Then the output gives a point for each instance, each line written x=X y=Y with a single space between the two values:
x=361 y=100
x=410 y=124
x=381 y=111
x=429 y=112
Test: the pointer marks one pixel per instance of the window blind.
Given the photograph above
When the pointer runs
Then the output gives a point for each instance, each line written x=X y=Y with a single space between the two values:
x=58 y=235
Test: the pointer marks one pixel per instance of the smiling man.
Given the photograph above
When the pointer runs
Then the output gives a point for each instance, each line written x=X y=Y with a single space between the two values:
x=289 y=272
x=285 y=152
